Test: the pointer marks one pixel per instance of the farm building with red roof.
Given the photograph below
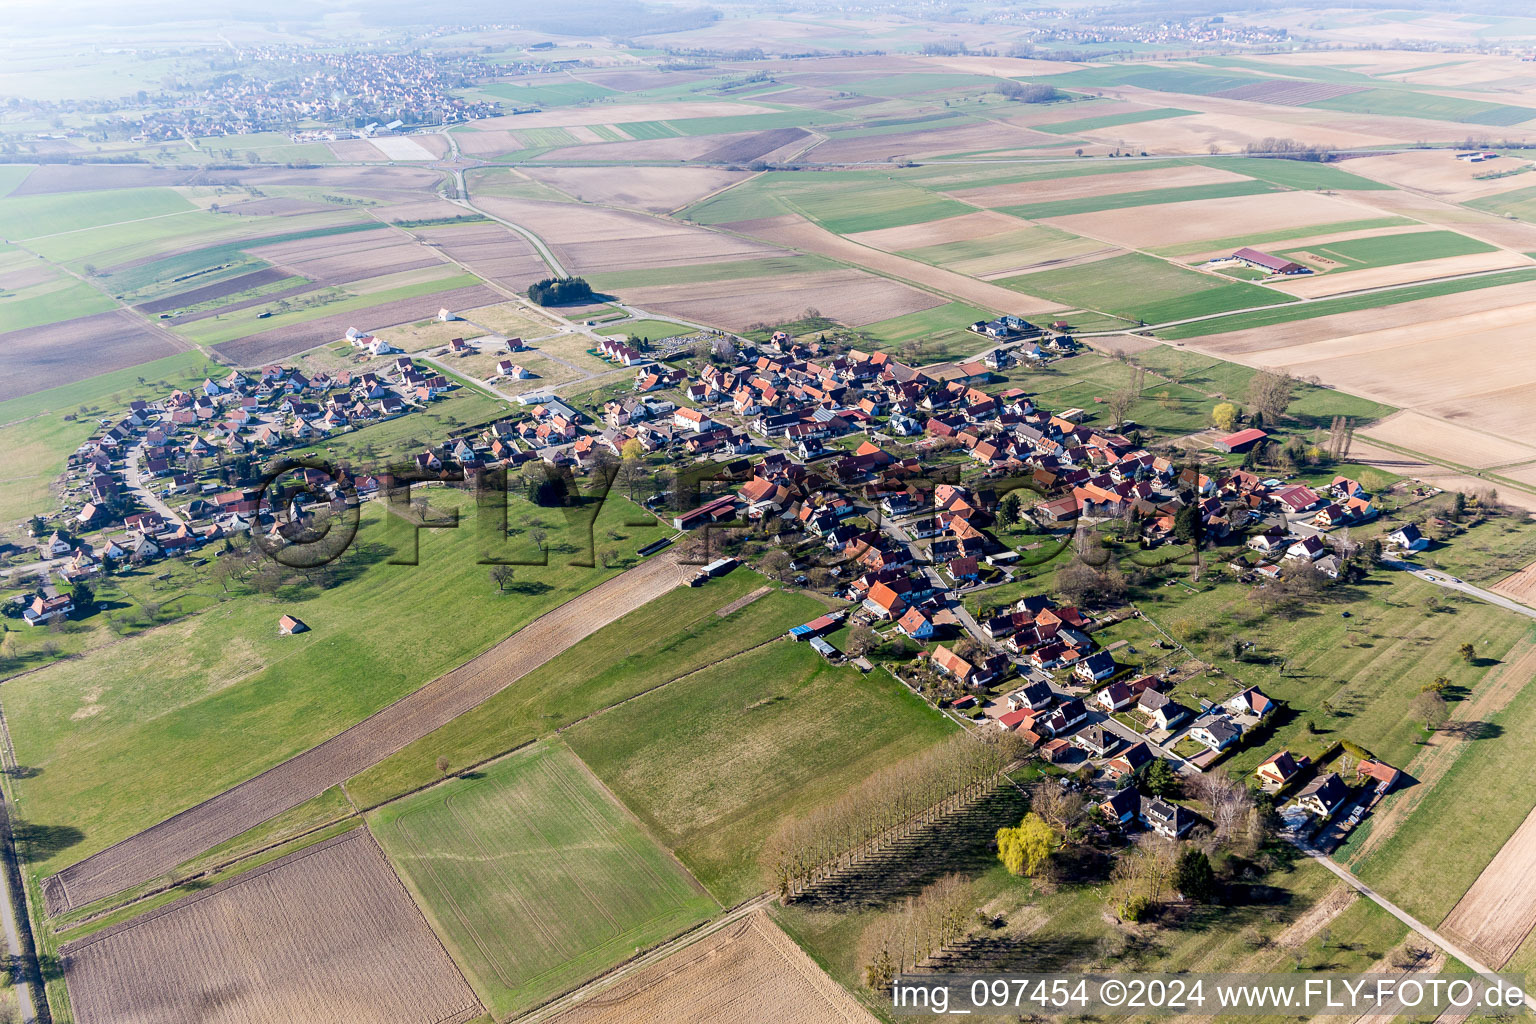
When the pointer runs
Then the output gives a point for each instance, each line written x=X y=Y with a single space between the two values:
x=1272 y=264
x=1240 y=441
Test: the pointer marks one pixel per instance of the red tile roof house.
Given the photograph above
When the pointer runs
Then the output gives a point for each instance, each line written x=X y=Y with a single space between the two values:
x=1277 y=770
x=289 y=625
x=885 y=602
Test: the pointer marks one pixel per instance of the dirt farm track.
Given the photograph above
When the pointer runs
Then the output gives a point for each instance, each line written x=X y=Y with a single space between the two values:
x=161 y=847
x=325 y=934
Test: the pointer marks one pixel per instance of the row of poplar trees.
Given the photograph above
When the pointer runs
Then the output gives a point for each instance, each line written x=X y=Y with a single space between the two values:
x=886 y=808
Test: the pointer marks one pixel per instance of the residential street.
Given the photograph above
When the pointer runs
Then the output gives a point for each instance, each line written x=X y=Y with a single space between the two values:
x=133 y=478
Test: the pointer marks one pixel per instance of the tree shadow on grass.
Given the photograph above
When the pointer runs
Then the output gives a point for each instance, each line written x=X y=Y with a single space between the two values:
x=40 y=842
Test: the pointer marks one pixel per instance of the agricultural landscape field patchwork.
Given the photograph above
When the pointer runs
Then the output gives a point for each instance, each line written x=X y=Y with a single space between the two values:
x=650 y=691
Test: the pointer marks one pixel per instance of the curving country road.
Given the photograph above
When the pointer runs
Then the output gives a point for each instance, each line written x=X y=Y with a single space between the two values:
x=1442 y=579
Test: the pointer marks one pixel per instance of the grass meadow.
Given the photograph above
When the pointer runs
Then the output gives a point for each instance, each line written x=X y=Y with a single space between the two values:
x=714 y=762
x=232 y=698
x=534 y=877
x=1142 y=287
x=662 y=641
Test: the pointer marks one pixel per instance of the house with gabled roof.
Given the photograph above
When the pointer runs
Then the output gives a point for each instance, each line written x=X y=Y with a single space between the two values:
x=1129 y=761
x=1324 y=795
x=1217 y=732
x=1277 y=770
x=1168 y=820
x=915 y=624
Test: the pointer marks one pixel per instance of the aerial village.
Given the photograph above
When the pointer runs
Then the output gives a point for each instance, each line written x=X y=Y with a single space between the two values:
x=909 y=497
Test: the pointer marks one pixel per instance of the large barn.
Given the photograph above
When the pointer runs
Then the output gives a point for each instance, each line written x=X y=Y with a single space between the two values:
x=1240 y=441
x=1273 y=264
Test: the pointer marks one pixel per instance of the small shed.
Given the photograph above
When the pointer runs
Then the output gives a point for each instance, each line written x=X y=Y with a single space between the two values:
x=288 y=625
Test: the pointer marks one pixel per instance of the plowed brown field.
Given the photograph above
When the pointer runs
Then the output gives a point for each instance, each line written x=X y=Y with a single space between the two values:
x=323 y=935
x=161 y=847
x=750 y=971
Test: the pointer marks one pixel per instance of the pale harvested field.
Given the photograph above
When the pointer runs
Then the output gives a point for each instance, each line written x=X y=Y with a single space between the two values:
x=490 y=251
x=512 y=320
x=401 y=147
x=1433 y=473
x=1176 y=223
x=421 y=209
x=570 y=348
x=795 y=232
x=356 y=149
x=750 y=971
x=341 y=259
x=848 y=296
x=482 y=142
x=326 y=934
x=1004 y=67
x=1520 y=586
x=1334 y=283
x=1496 y=914
x=1093 y=185
x=683 y=147
x=1438 y=173
x=594 y=239
x=581 y=133
x=1030 y=115
x=921 y=143
x=161 y=847
x=618 y=113
x=431 y=334
x=966 y=227
x=1450 y=441
x=435 y=144
x=653 y=189
x=1229 y=132
x=1476 y=367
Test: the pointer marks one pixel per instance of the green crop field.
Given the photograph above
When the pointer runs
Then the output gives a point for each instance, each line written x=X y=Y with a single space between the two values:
x=1405 y=103
x=702 y=273
x=534 y=877
x=714 y=762
x=672 y=636
x=1387 y=250
x=648 y=130
x=24 y=217
x=233 y=698
x=1191 y=80
x=652 y=329
x=1455 y=830
x=1088 y=124
x=1011 y=250
x=1344 y=304
x=1234 y=242
x=1295 y=173
x=47 y=303
x=11 y=177
x=727 y=122
x=1142 y=287
x=554 y=94
x=868 y=207
x=1129 y=200
x=1519 y=203
x=546 y=137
